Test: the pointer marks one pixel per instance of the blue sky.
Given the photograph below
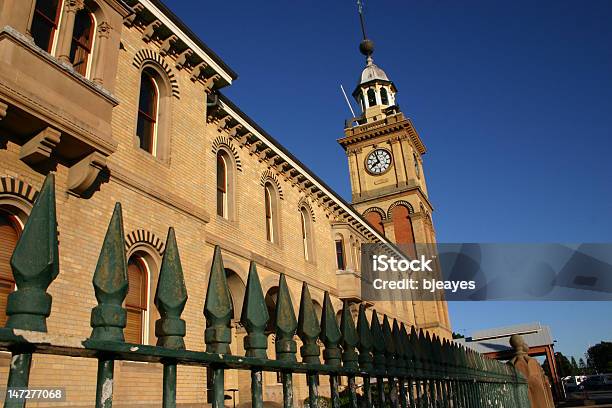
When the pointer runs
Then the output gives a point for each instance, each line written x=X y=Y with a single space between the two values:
x=512 y=99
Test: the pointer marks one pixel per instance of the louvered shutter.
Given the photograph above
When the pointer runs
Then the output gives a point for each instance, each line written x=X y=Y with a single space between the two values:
x=8 y=241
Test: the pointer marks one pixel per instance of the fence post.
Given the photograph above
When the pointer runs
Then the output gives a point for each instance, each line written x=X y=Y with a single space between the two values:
x=286 y=325
x=308 y=331
x=170 y=300
x=400 y=363
x=390 y=360
x=35 y=264
x=218 y=311
x=409 y=363
x=365 y=355
x=349 y=355
x=109 y=318
x=254 y=318
x=330 y=336
x=378 y=342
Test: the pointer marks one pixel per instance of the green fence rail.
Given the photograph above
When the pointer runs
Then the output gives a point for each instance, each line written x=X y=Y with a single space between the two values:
x=398 y=368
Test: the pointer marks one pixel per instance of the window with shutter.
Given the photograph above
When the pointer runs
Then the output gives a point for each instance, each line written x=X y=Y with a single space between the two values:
x=9 y=234
x=136 y=300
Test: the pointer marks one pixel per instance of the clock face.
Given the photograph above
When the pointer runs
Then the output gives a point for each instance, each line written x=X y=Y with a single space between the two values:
x=378 y=161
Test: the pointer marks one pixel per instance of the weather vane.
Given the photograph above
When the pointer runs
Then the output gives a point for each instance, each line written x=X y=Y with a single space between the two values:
x=366 y=46
x=360 y=9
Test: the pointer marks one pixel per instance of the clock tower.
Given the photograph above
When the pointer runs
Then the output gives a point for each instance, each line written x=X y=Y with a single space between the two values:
x=385 y=157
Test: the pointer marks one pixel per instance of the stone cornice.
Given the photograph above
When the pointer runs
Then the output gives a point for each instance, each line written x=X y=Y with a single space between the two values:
x=396 y=123
x=402 y=192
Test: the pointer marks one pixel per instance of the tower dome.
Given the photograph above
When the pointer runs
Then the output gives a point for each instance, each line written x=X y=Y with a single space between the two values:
x=372 y=72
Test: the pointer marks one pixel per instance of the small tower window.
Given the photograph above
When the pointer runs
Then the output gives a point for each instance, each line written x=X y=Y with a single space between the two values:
x=384 y=97
x=371 y=97
x=44 y=23
x=417 y=169
x=82 y=40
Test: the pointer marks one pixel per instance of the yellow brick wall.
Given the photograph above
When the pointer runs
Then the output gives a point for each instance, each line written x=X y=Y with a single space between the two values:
x=158 y=194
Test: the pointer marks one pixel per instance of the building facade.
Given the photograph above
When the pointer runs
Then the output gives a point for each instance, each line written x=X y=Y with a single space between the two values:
x=123 y=102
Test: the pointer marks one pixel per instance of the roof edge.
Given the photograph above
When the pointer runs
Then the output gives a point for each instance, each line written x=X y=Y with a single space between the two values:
x=194 y=37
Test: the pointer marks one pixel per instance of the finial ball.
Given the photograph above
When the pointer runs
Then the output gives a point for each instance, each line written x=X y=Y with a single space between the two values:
x=366 y=47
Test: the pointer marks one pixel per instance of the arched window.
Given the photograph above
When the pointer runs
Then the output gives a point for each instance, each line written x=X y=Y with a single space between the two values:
x=340 y=258
x=371 y=97
x=146 y=128
x=136 y=300
x=384 y=97
x=44 y=23
x=376 y=220
x=9 y=235
x=402 y=225
x=237 y=290
x=271 y=299
x=417 y=169
x=222 y=185
x=306 y=221
x=82 y=40
x=270 y=203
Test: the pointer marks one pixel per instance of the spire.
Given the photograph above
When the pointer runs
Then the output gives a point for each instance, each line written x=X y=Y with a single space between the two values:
x=366 y=46
x=374 y=93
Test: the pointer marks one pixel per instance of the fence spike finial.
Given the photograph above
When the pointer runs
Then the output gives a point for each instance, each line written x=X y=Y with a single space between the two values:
x=330 y=333
x=218 y=308
x=378 y=342
x=171 y=297
x=389 y=343
x=308 y=328
x=365 y=340
x=399 y=349
x=110 y=283
x=286 y=323
x=406 y=349
x=254 y=316
x=349 y=337
x=35 y=264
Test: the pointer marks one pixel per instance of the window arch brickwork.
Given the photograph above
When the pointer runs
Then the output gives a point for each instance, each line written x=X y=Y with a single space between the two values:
x=400 y=202
x=145 y=56
x=141 y=236
x=222 y=142
x=269 y=177
x=375 y=216
x=11 y=186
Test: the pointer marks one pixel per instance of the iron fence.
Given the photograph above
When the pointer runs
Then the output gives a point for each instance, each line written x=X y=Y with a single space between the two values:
x=397 y=368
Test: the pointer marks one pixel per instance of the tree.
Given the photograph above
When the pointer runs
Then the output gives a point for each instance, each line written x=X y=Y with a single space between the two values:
x=599 y=357
x=564 y=367
x=458 y=336
x=582 y=366
x=574 y=364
